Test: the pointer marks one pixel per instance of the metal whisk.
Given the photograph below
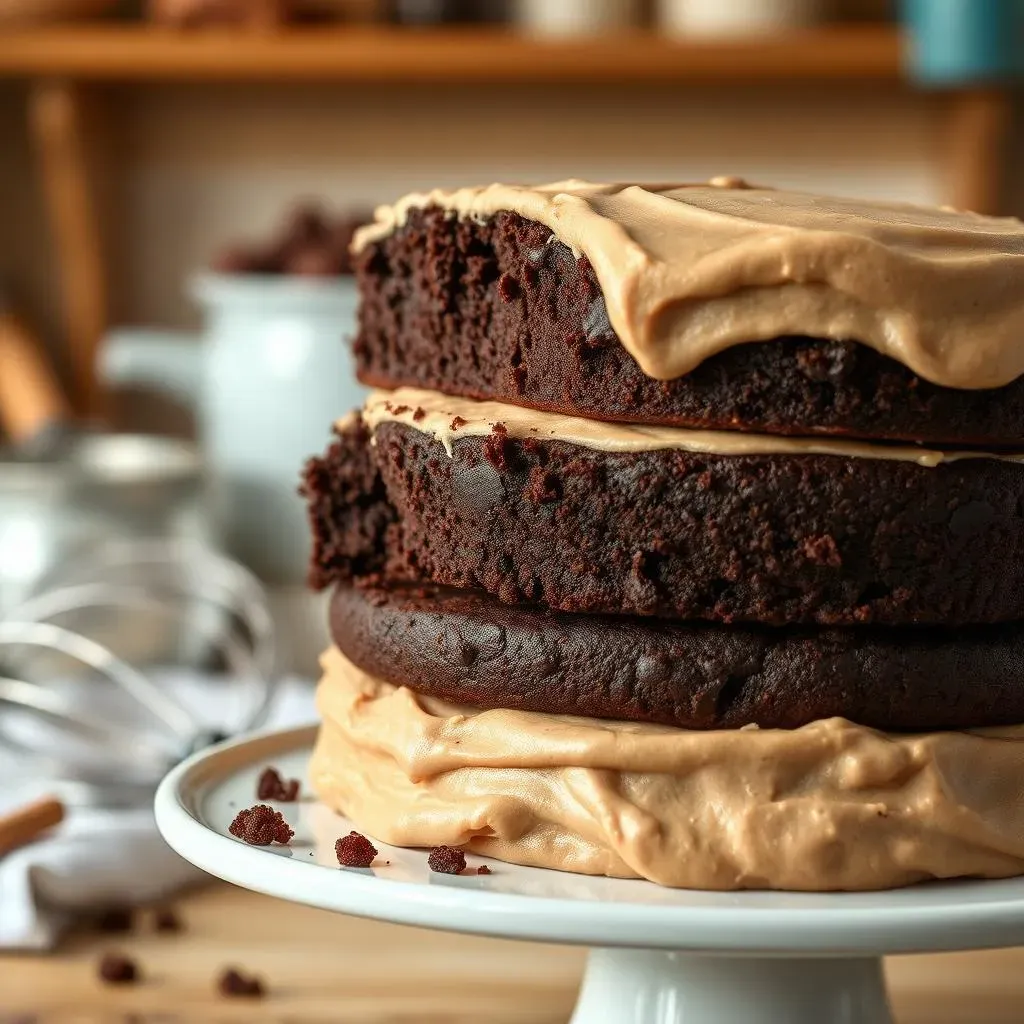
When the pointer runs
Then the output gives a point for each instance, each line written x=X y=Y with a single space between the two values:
x=99 y=666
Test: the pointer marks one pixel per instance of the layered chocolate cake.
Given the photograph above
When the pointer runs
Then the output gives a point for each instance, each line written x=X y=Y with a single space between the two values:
x=683 y=537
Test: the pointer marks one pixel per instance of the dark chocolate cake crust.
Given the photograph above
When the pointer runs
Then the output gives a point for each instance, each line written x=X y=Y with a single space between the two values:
x=501 y=310
x=466 y=647
x=772 y=539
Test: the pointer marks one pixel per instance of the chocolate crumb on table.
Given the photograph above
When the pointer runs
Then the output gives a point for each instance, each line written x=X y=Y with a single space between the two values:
x=115 y=920
x=355 y=851
x=271 y=786
x=233 y=982
x=166 y=920
x=446 y=860
x=117 y=969
x=260 y=826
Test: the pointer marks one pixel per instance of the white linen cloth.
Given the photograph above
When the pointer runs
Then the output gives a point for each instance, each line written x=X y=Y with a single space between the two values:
x=101 y=857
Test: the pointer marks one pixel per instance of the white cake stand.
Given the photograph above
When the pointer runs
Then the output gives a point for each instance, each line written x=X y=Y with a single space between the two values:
x=657 y=955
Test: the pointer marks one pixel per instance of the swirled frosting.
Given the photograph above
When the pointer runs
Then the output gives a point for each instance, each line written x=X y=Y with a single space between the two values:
x=830 y=806
x=690 y=270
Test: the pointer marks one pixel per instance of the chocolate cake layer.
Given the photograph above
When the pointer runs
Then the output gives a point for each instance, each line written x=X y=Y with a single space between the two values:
x=467 y=648
x=776 y=539
x=502 y=310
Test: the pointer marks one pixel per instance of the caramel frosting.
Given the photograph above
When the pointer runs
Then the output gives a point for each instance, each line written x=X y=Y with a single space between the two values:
x=829 y=806
x=447 y=418
x=690 y=270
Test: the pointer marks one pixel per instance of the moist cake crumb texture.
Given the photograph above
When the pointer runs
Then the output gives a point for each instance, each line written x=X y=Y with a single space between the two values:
x=770 y=539
x=436 y=314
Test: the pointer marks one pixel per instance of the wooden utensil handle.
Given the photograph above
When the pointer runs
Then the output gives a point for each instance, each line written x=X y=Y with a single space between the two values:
x=64 y=134
x=30 y=396
x=23 y=825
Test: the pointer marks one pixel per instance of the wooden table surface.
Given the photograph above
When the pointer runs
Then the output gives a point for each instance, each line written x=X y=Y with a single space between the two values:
x=321 y=967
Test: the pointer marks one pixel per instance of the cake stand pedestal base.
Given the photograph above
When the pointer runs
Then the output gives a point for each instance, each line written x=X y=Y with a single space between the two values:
x=640 y=986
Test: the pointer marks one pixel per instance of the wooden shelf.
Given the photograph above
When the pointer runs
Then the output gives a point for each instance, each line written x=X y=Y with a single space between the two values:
x=380 y=54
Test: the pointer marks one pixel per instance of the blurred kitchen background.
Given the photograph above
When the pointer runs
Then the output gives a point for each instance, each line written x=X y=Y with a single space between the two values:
x=179 y=180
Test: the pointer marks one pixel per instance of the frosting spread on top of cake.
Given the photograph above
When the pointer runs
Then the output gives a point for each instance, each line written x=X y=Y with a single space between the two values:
x=832 y=805
x=690 y=270
x=447 y=418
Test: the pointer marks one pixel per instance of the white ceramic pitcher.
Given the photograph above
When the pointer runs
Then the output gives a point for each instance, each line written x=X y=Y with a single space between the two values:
x=270 y=373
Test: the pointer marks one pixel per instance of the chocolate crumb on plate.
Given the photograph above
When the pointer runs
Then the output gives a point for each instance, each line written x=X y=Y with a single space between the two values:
x=117 y=969
x=483 y=870
x=446 y=860
x=271 y=786
x=355 y=851
x=268 y=784
x=233 y=982
x=260 y=826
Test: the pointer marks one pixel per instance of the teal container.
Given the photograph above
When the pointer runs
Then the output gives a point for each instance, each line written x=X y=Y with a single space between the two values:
x=956 y=42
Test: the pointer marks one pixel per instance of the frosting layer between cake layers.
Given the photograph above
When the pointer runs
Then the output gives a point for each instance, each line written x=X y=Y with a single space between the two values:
x=690 y=270
x=446 y=418
x=829 y=806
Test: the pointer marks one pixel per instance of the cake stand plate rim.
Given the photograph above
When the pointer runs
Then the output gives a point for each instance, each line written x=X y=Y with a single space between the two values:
x=944 y=917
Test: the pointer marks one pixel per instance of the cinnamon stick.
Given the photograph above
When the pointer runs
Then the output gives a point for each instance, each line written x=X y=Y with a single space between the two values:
x=26 y=823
